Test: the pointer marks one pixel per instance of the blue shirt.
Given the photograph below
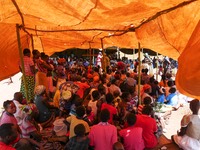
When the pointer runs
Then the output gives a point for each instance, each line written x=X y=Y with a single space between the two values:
x=172 y=99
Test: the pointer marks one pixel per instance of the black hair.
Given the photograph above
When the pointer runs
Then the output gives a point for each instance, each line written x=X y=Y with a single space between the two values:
x=79 y=130
x=6 y=103
x=26 y=51
x=5 y=131
x=95 y=95
x=78 y=102
x=147 y=100
x=105 y=115
x=116 y=93
x=172 y=90
x=18 y=96
x=109 y=98
x=101 y=88
x=35 y=51
x=147 y=110
x=194 y=106
x=170 y=83
x=128 y=74
x=80 y=111
x=131 y=119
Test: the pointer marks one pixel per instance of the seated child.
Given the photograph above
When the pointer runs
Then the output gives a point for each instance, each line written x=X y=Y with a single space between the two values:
x=79 y=141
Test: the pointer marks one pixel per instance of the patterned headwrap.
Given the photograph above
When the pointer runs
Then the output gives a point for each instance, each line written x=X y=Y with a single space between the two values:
x=39 y=89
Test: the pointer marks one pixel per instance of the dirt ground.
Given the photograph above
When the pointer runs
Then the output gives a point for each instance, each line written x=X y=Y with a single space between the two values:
x=175 y=120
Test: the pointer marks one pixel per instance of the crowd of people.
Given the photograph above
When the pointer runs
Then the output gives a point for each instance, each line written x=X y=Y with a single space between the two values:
x=101 y=108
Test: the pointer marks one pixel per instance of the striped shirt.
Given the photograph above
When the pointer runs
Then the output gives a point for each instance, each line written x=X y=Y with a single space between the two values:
x=28 y=62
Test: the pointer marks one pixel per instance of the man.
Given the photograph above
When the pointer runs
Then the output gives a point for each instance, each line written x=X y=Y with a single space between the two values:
x=103 y=135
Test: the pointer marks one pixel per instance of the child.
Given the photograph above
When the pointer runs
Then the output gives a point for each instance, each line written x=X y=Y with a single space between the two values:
x=90 y=114
x=80 y=141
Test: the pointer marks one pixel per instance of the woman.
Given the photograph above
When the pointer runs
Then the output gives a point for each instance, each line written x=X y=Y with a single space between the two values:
x=8 y=114
x=29 y=70
x=189 y=137
x=46 y=115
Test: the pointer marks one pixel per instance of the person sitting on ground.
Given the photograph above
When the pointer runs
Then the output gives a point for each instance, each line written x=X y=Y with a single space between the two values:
x=8 y=113
x=172 y=98
x=72 y=121
x=118 y=146
x=146 y=102
x=149 y=126
x=110 y=107
x=46 y=115
x=103 y=135
x=19 y=115
x=8 y=134
x=93 y=103
x=132 y=136
x=80 y=141
x=189 y=137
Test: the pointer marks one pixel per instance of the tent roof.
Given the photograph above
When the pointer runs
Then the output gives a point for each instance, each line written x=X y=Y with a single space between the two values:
x=164 y=26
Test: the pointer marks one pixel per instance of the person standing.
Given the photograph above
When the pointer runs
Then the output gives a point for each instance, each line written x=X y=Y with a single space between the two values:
x=29 y=71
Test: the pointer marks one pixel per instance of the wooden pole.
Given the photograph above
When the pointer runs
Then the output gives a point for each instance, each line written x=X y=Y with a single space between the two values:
x=32 y=42
x=157 y=67
x=139 y=74
x=103 y=52
x=22 y=60
x=90 y=55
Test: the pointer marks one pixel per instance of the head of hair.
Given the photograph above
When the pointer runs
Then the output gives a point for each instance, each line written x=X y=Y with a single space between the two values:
x=80 y=111
x=6 y=103
x=78 y=102
x=172 y=90
x=109 y=98
x=146 y=70
x=18 y=96
x=147 y=110
x=128 y=74
x=170 y=83
x=131 y=119
x=95 y=95
x=104 y=115
x=116 y=93
x=26 y=52
x=101 y=89
x=35 y=52
x=147 y=100
x=7 y=134
x=79 y=130
x=118 y=146
x=194 y=106
x=125 y=95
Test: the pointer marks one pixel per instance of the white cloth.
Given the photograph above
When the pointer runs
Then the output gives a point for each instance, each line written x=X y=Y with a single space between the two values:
x=93 y=105
x=19 y=115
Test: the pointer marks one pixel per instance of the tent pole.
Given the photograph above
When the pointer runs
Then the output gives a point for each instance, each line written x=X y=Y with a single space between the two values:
x=90 y=55
x=32 y=42
x=133 y=54
x=139 y=76
x=21 y=59
x=157 y=67
x=103 y=52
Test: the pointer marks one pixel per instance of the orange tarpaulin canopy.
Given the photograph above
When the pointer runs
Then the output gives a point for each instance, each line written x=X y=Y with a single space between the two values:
x=55 y=25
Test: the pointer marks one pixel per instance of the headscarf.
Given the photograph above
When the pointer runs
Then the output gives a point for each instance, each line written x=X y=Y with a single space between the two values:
x=39 y=89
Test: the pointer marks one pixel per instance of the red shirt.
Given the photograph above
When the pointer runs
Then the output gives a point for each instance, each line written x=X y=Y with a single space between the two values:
x=82 y=88
x=132 y=138
x=3 y=146
x=112 y=110
x=149 y=126
x=102 y=136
